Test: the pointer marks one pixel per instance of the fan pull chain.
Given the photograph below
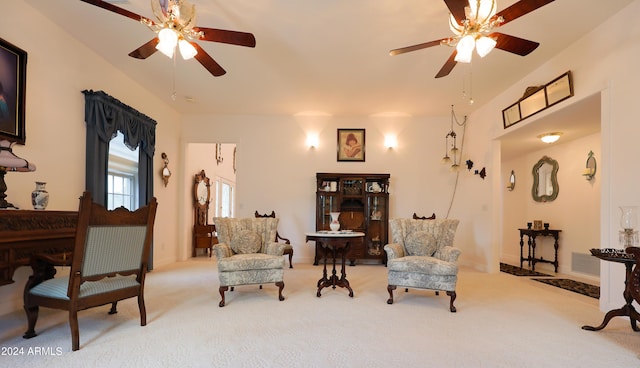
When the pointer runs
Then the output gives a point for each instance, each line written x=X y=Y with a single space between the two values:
x=174 y=95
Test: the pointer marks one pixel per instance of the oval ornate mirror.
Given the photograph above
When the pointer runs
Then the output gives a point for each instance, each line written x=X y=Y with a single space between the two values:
x=545 y=180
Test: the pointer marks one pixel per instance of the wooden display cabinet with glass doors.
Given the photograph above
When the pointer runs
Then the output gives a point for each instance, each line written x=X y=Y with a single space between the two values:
x=363 y=203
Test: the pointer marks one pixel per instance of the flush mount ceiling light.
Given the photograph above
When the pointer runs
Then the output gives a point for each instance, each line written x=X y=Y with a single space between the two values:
x=550 y=137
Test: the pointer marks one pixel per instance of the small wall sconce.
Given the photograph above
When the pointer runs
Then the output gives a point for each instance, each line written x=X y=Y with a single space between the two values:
x=312 y=141
x=390 y=141
x=166 y=173
x=219 y=157
x=512 y=181
x=590 y=169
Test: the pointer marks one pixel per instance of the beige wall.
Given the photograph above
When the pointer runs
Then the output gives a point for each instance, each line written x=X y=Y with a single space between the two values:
x=58 y=69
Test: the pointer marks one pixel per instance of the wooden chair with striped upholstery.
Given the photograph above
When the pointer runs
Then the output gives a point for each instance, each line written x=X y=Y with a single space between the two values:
x=108 y=264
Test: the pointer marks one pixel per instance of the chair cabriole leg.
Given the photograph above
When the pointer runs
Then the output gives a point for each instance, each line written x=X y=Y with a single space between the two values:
x=222 y=290
x=280 y=285
x=390 y=289
x=452 y=294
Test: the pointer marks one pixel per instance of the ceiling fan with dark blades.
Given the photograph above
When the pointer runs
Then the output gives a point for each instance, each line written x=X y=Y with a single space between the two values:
x=474 y=22
x=176 y=30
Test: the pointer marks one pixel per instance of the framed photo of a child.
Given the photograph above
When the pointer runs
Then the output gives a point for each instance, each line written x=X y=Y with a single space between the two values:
x=351 y=145
x=13 y=65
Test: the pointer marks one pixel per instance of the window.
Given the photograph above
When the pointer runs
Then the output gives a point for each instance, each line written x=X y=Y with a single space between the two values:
x=122 y=175
x=225 y=198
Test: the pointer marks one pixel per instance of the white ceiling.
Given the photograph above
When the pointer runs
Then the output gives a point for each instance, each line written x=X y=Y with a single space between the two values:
x=328 y=56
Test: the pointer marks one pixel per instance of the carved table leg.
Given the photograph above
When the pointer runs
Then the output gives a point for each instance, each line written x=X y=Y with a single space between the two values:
x=627 y=310
x=533 y=254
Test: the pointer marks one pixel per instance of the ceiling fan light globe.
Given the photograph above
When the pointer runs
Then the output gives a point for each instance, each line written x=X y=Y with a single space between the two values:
x=168 y=40
x=186 y=49
x=465 y=49
x=480 y=11
x=484 y=45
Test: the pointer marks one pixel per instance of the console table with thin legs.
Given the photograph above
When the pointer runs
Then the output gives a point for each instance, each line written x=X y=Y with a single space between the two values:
x=627 y=309
x=531 y=242
x=333 y=244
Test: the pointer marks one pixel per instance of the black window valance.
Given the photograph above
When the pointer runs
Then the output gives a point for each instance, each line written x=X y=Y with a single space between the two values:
x=107 y=115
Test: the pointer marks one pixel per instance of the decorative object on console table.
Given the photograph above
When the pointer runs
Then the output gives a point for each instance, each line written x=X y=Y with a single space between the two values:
x=40 y=196
x=13 y=61
x=10 y=162
x=351 y=144
x=537 y=225
x=628 y=223
x=363 y=203
x=335 y=223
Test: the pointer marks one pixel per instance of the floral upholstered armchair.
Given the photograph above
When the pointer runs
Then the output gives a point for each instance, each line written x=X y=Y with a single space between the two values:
x=247 y=253
x=421 y=255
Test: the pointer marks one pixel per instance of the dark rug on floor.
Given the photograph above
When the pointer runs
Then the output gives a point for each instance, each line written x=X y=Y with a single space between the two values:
x=575 y=286
x=517 y=271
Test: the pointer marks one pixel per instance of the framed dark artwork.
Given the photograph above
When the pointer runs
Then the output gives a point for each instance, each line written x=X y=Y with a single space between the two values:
x=351 y=145
x=13 y=75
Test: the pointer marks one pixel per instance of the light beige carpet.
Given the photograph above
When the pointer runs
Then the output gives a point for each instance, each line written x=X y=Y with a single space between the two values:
x=502 y=321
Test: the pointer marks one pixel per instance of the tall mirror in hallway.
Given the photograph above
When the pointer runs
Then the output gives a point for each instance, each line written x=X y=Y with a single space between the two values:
x=545 y=180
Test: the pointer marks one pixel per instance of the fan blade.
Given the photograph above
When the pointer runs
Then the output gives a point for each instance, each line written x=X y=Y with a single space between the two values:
x=420 y=46
x=207 y=61
x=456 y=8
x=448 y=65
x=514 y=44
x=115 y=9
x=521 y=8
x=224 y=36
x=145 y=50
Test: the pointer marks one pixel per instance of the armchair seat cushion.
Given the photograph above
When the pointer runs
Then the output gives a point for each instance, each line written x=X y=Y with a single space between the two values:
x=423 y=265
x=57 y=287
x=253 y=261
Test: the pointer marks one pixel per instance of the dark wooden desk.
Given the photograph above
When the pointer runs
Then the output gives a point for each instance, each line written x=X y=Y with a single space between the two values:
x=333 y=244
x=531 y=242
x=25 y=232
x=627 y=310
